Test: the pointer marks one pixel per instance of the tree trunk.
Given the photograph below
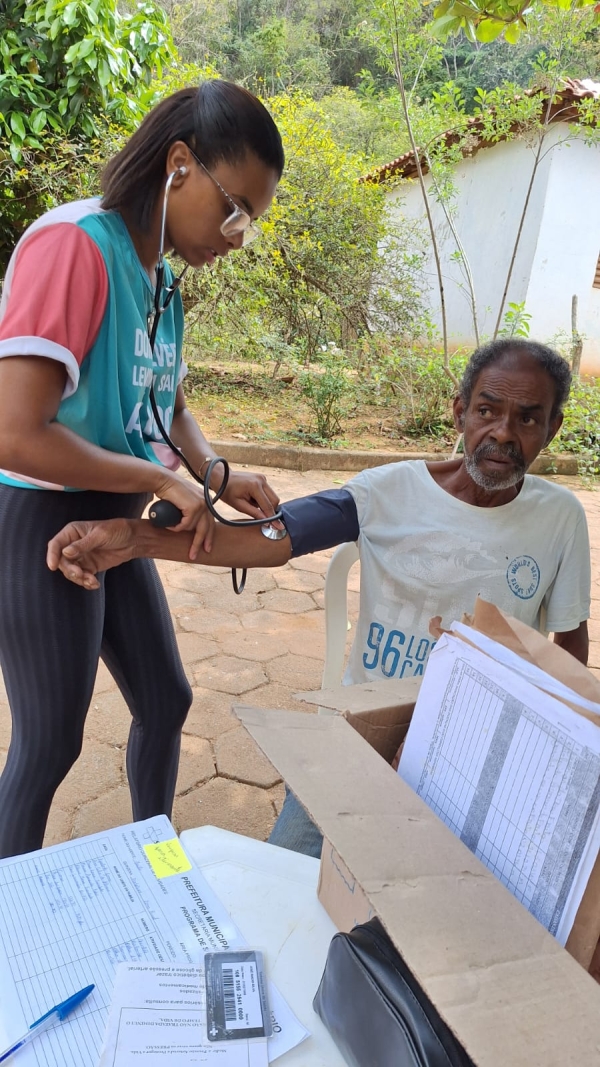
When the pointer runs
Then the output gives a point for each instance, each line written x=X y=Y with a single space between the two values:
x=577 y=340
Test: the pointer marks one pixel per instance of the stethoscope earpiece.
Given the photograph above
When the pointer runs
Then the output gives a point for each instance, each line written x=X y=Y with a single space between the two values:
x=182 y=170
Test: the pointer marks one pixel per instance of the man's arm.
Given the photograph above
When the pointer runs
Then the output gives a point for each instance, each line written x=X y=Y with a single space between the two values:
x=576 y=642
x=314 y=522
x=81 y=549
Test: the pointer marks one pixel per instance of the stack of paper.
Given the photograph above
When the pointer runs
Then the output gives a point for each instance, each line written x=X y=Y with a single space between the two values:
x=70 y=914
x=512 y=770
x=158 y=1016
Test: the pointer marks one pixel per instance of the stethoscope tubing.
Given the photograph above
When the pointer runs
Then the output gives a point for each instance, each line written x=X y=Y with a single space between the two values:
x=163 y=513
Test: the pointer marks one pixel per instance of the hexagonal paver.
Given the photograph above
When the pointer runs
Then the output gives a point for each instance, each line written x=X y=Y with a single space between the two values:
x=253 y=646
x=297 y=672
x=59 y=826
x=196 y=763
x=104 y=679
x=211 y=589
x=310 y=643
x=275 y=695
x=181 y=602
x=194 y=647
x=278 y=796
x=108 y=719
x=5 y=726
x=229 y=675
x=298 y=581
x=208 y=621
x=245 y=809
x=260 y=580
x=353 y=601
x=271 y=622
x=210 y=714
x=195 y=579
x=97 y=769
x=239 y=757
x=286 y=601
x=111 y=809
x=317 y=564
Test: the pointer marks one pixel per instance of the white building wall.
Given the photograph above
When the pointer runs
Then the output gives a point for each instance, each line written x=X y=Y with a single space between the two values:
x=567 y=249
x=491 y=189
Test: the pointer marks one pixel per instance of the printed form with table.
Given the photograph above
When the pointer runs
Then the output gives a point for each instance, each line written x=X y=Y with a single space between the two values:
x=503 y=746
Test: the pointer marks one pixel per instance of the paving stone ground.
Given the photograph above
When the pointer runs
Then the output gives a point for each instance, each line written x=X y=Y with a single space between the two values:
x=260 y=649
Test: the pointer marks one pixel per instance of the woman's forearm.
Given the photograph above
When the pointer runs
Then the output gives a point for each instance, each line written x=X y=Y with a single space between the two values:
x=188 y=436
x=53 y=453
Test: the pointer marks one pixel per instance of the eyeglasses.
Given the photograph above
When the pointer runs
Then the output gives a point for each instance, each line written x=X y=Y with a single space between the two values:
x=239 y=221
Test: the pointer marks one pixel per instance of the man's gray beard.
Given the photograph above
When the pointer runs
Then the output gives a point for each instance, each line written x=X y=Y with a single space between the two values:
x=491 y=485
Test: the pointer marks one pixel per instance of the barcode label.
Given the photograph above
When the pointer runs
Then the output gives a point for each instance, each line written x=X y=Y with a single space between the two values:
x=229 y=995
x=236 y=999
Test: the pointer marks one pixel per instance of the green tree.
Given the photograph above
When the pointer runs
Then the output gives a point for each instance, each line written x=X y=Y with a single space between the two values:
x=485 y=20
x=67 y=63
x=68 y=68
x=309 y=282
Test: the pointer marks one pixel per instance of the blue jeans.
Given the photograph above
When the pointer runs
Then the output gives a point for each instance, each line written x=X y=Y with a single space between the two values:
x=295 y=830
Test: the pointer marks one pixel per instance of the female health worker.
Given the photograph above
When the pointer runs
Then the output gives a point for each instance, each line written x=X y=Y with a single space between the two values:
x=78 y=439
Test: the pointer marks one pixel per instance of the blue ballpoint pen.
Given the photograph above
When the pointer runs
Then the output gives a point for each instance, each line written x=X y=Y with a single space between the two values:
x=55 y=1015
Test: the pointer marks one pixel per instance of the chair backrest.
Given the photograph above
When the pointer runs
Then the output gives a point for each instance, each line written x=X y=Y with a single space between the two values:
x=336 y=612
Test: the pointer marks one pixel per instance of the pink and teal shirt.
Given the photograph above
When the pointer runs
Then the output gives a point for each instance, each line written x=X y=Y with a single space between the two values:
x=76 y=292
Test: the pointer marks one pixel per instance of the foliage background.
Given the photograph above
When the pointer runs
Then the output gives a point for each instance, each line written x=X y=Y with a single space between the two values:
x=332 y=296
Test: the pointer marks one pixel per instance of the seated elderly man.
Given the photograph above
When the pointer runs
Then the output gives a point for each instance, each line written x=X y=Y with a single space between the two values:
x=431 y=536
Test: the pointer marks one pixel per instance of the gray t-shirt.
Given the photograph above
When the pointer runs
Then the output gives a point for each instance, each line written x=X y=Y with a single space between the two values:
x=425 y=553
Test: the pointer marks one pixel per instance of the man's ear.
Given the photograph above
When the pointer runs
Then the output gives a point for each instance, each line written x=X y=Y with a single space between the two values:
x=458 y=408
x=555 y=425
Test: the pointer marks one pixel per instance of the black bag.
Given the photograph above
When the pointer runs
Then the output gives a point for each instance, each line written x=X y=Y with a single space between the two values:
x=375 y=1010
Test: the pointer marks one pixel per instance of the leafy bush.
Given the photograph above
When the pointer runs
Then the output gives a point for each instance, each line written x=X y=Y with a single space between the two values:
x=329 y=393
x=412 y=380
x=74 y=79
x=580 y=431
x=66 y=63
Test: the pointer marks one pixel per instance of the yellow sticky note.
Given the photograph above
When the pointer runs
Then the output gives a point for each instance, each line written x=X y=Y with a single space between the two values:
x=167 y=858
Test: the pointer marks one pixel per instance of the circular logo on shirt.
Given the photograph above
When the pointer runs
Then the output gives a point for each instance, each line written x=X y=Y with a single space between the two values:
x=523 y=577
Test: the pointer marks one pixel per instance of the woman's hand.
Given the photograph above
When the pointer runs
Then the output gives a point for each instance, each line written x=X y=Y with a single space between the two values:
x=189 y=498
x=251 y=494
x=81 y=549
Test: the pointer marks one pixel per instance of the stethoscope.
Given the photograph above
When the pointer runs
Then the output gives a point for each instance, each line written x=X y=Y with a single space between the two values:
x=163 y=513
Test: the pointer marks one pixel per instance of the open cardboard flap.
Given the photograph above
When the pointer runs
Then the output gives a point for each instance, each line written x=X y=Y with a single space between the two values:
x=507 y=989
x=367 y=696
x=380 y=710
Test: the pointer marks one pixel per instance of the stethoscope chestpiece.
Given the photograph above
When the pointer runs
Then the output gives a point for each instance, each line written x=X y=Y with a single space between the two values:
x=270 y=531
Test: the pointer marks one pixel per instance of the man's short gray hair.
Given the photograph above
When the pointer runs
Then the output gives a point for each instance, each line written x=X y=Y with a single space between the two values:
x=555 y=366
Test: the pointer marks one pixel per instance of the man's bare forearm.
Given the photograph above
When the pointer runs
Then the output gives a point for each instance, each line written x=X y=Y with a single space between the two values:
x=242 y=547
x=576 y=642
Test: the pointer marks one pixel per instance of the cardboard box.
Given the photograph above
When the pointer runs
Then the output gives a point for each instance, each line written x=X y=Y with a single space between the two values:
x=506 y=988
x=381 y=710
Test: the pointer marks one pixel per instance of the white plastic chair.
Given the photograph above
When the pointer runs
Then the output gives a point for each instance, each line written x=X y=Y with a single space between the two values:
x=336 y=614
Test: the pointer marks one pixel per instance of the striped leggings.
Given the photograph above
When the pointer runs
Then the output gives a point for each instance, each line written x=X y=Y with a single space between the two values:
x=52 y=634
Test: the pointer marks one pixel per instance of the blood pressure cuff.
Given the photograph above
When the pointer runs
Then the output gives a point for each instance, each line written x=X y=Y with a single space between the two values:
x=320 y=521
x=376 y=1011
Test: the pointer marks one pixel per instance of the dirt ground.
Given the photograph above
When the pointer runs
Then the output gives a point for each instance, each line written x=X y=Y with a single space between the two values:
x=244 y=401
